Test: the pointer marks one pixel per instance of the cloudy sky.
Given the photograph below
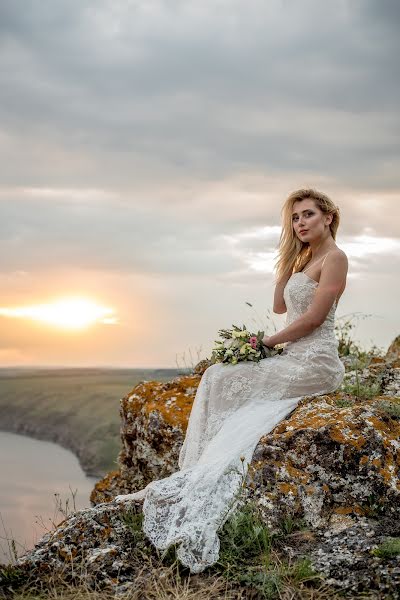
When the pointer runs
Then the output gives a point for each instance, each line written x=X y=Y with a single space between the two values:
x=146 y=149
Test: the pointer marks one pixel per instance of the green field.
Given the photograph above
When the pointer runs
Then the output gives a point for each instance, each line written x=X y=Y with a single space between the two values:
x=77 y=408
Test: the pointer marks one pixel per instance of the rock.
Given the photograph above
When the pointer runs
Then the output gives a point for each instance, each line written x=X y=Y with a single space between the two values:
x=383 y=372
x=327 y=459
x=154 y=417
x=393 y=351
x=96 y=547
x=201 y=366
x=333 y=465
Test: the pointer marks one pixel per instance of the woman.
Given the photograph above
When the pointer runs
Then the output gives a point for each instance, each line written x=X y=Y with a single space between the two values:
x=235 y=405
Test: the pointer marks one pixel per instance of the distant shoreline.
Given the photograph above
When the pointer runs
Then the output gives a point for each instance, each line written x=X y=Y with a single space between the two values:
x=46 y=434
x=59 y=371
x=77 y=408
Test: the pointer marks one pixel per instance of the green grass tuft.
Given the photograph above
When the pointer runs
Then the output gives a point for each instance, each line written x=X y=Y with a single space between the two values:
x=388 y=549
x=344 y=403
x=289 y=524
x=361 y=390
x=390 y=408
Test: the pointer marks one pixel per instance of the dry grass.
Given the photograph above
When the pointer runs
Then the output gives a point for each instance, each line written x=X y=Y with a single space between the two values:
x=253 y=565
x=268 y=574
x=167 y=583
x=160 y=583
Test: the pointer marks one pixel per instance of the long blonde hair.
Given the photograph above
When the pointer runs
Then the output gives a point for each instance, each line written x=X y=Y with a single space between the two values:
x=293 y=254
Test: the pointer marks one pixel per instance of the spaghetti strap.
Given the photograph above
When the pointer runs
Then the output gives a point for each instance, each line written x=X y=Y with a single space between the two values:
x=322 y=257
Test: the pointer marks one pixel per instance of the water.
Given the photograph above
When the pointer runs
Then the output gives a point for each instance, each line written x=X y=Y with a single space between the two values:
x=31 y=473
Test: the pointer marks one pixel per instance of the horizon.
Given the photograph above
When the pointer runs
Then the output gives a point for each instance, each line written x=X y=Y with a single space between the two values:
x=54 y=367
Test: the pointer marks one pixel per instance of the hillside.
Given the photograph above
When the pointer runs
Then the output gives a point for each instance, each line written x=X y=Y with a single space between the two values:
x=76 y=408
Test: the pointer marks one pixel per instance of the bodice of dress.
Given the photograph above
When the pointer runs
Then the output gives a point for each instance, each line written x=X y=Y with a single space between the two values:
x=298 y=295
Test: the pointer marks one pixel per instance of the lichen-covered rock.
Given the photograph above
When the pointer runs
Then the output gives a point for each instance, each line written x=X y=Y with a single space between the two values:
x=202 y=366
x=333 y=464
x=96 y=547
x=393 y=352
x=154 y=418
x=329 y=459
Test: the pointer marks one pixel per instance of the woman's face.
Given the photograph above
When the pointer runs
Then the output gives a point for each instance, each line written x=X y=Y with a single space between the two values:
x=308 y=220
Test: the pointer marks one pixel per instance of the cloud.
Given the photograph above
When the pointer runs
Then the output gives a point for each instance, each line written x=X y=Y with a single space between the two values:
x=128 y=91
x=150 y=145
x=223 y=231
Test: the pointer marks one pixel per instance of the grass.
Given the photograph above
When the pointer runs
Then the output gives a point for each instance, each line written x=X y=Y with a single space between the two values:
x=374 y=507
x=361 y=390
x=344 y=327
x=390 y=408
x=61 y=512
x=161 y=583
x=388 y=549
x=253 y=562
x=344 y=402
x=289 y=525
x=249 y=555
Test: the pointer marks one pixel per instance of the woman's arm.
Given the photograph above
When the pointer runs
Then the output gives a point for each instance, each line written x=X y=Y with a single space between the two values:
x=279 y=302
x=332 y=279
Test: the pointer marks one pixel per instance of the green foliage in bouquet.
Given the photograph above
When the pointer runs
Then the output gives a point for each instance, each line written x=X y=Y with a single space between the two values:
x=238 y=344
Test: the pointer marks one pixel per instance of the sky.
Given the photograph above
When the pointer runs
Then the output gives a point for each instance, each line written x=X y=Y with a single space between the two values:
x=146 y=150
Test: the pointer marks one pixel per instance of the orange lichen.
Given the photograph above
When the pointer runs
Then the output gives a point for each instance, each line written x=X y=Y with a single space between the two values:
x=377 y=359
x=104 y=484
x=343 y=510
x=346 y=510
x=107 y=532
x=67 y=554
x=297 y=473
x=377 y=423
x=287 y=488
x=336 y=420
x=173 y=400
x=389 y=473
x=338 y=435
x=321 y=417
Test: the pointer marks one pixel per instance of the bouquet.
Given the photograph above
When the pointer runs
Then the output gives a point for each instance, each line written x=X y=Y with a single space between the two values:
x=239 y=344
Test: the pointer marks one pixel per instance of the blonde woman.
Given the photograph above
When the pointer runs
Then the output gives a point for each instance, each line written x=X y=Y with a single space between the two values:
x=235 y=405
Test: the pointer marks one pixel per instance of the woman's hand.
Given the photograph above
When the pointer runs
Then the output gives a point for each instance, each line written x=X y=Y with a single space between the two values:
x=268 y=341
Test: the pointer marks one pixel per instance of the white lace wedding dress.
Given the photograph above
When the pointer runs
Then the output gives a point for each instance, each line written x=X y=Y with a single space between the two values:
x=235 y=405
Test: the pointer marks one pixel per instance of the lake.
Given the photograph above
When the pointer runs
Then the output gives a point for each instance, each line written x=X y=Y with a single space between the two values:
x=36 y=477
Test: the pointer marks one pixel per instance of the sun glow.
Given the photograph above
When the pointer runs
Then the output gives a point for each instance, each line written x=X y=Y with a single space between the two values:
x=67 y=313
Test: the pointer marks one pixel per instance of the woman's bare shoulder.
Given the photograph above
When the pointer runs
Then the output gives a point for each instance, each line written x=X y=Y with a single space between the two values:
x=337 y=254
x=338 y=262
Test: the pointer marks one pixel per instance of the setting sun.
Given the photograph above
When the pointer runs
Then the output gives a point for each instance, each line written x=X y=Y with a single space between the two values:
x=67 y=313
